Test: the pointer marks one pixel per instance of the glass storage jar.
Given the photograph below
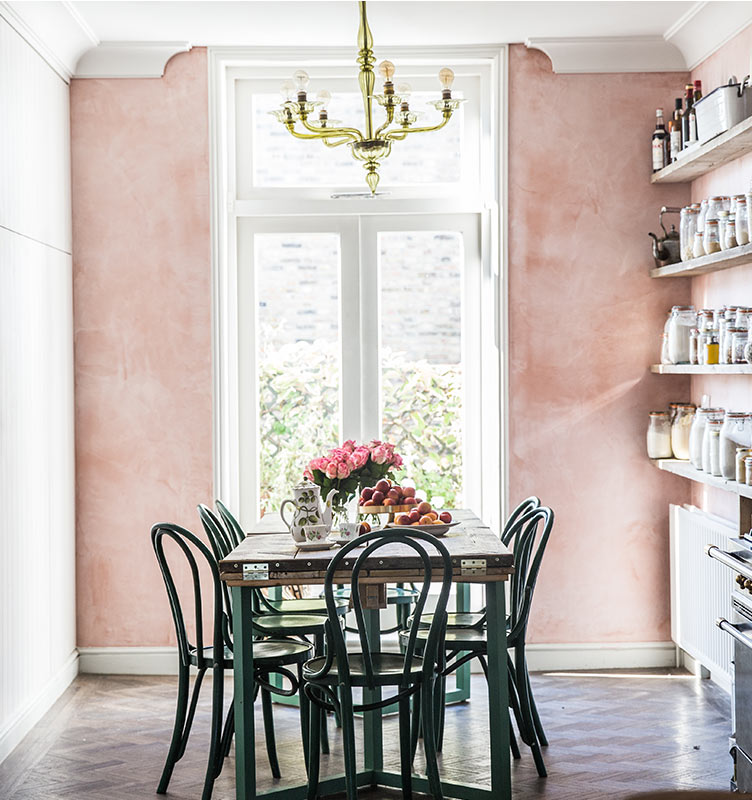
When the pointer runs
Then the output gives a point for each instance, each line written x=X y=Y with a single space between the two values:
x=715 y=206
x=681 y=425
x=699 y=247
x=687 y=231
x=735 y=433
x=659 y=435
x=748 y=470
x=711 y=447
x=729 y=235
x=693 y=343
x=723 y=217
x=711 y=242
x=697 y=433
x=701 y=216
x=681 y=322
x=728 y=343
x=741 y=454
x=742 y=317
x=748 y=351
x=739 y=339
x=710 y=347
x=742 y=220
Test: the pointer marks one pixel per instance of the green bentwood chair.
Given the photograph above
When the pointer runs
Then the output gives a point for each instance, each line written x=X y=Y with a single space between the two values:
x=329 y=680
x=464 y=644
x=269 y=657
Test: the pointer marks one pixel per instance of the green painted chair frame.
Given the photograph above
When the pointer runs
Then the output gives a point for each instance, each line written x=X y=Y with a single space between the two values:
x=265 y=622
x=329 y=681
x=270 y=657
x=464 y=644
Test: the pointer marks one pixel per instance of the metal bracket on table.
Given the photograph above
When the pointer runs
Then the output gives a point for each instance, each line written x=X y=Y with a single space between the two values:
x=473 y=566
x=255 y=572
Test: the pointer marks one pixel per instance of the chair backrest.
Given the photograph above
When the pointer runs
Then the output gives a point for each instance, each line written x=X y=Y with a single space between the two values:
x=231 y=524
x=374 y=541
x=535 y=525
x=196 y=554
x=222 y=542
x=528 y=504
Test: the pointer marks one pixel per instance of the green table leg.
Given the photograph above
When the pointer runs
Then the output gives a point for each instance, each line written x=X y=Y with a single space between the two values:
x=498 y=690
x=245 y=746
x=372 y=730
x=462 y=675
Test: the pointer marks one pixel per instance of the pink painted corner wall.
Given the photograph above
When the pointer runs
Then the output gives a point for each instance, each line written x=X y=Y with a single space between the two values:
x=142 y=296
x=585 y=322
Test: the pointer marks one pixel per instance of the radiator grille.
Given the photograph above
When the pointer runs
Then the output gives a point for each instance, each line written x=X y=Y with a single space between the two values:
x=701 y=589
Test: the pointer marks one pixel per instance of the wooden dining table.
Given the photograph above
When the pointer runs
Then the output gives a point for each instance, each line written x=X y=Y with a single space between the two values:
x=268 y=557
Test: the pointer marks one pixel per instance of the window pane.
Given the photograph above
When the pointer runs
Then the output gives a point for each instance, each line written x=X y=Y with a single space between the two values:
x=283 y=161
x=297 y=291
x=421 y=357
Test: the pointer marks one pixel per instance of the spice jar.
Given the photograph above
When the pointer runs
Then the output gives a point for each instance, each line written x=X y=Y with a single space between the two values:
x=701 y=216
x=710 y=347
x=742 y=220
x=711 y=242
x=693 y=343
x=659 y=435
x=729 y=236
x=681 y=322
x=697 y=433
x=681 y=426
x=735 y=434
x=687 y=230
x=723 y=217
x=711 y=441
x=740 y=474
x=739 y=339
x=728 y=344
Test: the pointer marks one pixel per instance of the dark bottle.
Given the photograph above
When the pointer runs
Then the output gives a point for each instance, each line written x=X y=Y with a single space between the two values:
x=688 y=102
x=660 y=142
x=675 y=130
x=698 y=91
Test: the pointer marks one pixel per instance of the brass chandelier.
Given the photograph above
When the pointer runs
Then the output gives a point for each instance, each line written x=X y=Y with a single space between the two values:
x=370 y=146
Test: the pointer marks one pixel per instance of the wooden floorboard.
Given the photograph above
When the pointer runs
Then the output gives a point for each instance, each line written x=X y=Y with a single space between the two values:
x=611 y=735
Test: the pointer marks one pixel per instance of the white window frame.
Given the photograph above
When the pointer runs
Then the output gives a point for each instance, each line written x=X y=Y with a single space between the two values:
x=231 y=328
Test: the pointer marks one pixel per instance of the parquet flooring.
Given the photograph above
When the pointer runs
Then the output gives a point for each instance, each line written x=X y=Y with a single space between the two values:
x=611 y=735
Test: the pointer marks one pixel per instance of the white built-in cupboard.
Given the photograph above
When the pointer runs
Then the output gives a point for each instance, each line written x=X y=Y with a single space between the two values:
x=37 y=503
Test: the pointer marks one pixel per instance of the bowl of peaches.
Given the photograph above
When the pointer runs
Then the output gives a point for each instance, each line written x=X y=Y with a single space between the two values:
x=405 y=508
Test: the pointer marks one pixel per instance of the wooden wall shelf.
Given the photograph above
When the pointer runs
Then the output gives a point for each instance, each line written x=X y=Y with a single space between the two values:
x=724 y=148
x=701 y=369
x=726 y=259
x=686 y=470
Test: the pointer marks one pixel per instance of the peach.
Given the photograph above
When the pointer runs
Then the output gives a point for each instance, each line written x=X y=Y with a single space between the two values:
x=424 y=507
x=408 y=491
x=410 y=501
x=445 y=516
x=414 y=515
x=369 y=503
x=433 y=515
x=402 y=519
x=394 y=494
x=390 y=501
x=413 y=524
x=383 y=486
x=378 y=498
x=367 y=493
x=364 y=528
x=425 y=520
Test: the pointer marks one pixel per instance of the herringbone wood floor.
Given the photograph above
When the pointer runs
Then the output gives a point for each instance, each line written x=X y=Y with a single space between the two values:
x=611 y=736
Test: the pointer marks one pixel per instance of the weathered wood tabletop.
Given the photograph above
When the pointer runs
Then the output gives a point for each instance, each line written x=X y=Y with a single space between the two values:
x=269 y=557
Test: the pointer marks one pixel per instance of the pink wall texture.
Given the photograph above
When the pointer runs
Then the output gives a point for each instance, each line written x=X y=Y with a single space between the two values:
x=585 y=323
x=142 y=295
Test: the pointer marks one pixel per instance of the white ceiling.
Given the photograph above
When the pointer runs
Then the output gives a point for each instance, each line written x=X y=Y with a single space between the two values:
x=395 y=22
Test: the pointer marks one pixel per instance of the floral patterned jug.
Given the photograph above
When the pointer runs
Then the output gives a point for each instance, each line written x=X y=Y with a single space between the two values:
x=308 y=510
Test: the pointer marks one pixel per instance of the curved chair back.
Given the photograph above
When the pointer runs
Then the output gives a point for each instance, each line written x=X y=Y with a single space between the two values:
x=231 y=524
x=528 y=504
x=527 y=561
x=433 y=650
x=194 y=552
x=222 y=542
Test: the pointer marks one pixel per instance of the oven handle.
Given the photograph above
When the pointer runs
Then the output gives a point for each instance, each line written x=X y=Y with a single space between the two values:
x=729 y=560
x=733 y=631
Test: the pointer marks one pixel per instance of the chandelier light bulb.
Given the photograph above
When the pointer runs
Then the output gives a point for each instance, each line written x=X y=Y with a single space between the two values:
x=386 y=68
x=446 y=78
x=324 y=97
x=301 y=79
x=404 y=90
x=286 y=89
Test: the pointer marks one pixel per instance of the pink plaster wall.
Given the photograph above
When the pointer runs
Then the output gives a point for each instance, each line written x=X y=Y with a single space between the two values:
x=142 y=293
x=731 y=287
x=585 y=321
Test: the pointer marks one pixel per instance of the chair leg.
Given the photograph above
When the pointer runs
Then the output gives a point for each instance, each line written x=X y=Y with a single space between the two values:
x=429 y=742
x=527 y=716
x=320 y=650
x=229 y=730
x=439 y=711
x=513 y=742
x=348 y=742
x=406 y=751
x=314 y=750
x=271 y=744
x=305 y=716
x=178 y=730
x=415 y=726
x=534 y=708
x=214 y=766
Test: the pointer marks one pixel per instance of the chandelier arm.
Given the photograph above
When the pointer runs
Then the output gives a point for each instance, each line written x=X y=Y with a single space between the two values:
x=299 y=135
x=354 y=133
x=345 y=140
x=387 y=123
x=390 y=135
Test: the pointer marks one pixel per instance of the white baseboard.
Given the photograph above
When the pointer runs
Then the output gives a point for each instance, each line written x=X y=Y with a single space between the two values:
x=541 y=657
x=15 y=730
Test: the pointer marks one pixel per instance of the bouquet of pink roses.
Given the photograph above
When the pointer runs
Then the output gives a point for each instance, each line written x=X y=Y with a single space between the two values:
x=347 y=467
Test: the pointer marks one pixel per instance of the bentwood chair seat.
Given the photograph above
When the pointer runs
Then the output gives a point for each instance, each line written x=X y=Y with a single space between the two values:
x=289 y=624
x=304 y=605
x=267 y=654
x=388 y=670
x=457 y=619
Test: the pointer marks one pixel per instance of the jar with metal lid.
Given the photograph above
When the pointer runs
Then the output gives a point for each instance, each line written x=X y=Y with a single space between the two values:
x=711 y=242
x=739 y=339
x=706 y=319
x=741 y=453
x=743 y=316
x=735 y=433
x=748 y=470
x=729 y=234
x=681 y=425
x=701 y=216
x=748 y=351
x=711 y=441
x=723 y=217
x=697 y=433
x=728 y=344
x=681 y=322
x=742 y=220
x=659 y=435
x=698 y=249
x=687 y=230
x=694 y=335
x=715 y=206
x=710 y=347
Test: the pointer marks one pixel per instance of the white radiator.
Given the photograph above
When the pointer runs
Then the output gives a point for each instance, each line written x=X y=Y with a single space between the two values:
x=701 y=590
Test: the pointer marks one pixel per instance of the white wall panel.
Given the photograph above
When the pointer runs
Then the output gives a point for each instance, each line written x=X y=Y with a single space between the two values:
x=37 y=470
x=34 y=144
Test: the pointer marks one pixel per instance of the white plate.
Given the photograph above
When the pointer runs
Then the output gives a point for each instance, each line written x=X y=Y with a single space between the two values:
x=338 y=540
x=435 y=530
x=323 y=545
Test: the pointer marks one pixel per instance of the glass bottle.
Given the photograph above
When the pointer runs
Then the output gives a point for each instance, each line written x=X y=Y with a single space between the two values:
x=748 y=470
x=742 y=317
x=694 y=335
x=742 y=220
x=711 y=446
x=748 y=198
x=681 y=426
x=711 y=347
x=687 y=230
x=734 y=434
x=741 y=454
x=703 y=213
x=723 y=217
x=659 y=435
x=715 y=206
x=739 y=339
x=697 y=433
x=748 y=351
x=681 y=322
x=660 y=142
x=711 y=242
x=699 y=247
x=729 y=239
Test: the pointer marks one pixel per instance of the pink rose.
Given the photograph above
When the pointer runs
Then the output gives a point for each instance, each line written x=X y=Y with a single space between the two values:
x=331 y=470
x=349 y=445
x=343 y=470
x=360 y=457
x=308 y=474
x=380 y=454
x=397 y=460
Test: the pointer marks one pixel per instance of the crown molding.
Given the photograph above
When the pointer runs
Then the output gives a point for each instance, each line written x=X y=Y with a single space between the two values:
x=55 y=30
x=706 y=27
x=573 y=55
x=128 y=59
